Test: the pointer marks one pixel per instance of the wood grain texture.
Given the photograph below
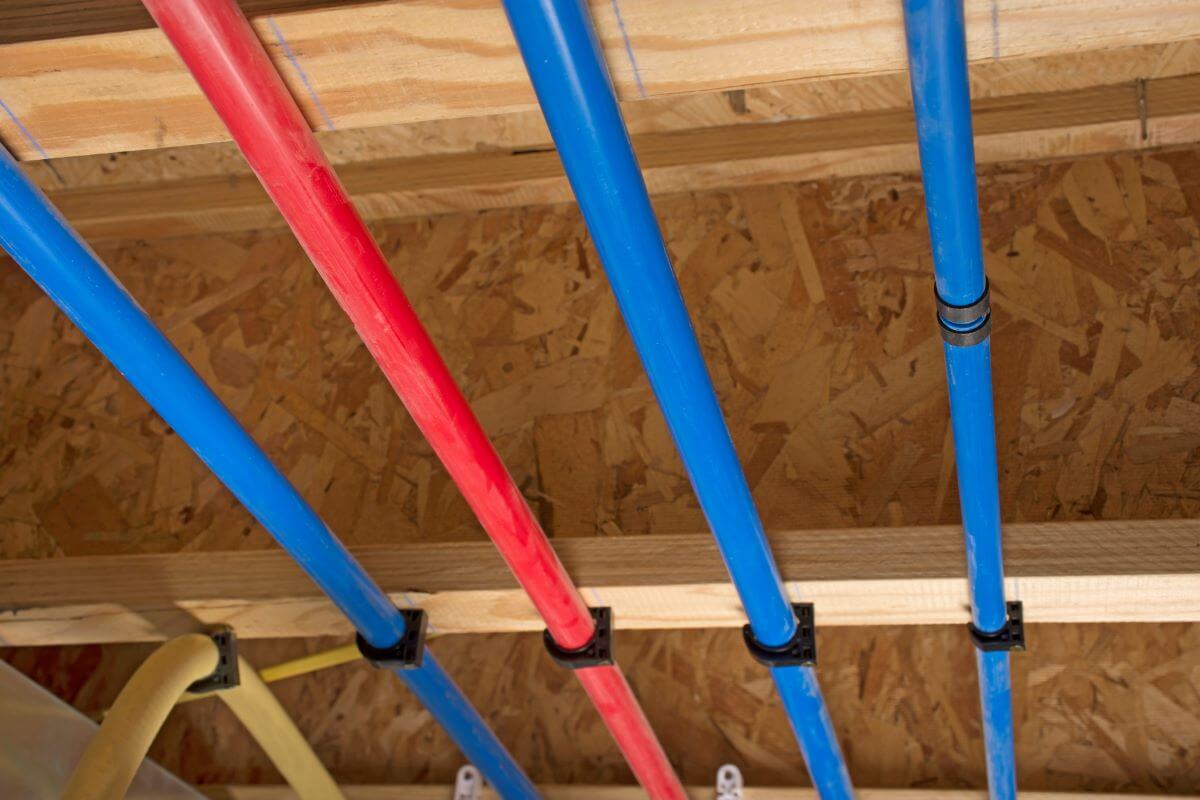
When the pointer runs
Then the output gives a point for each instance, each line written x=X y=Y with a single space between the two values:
x=1008 y=128
x=413 y=792
x=40 y=20
x=1098 y=708
x=813 y=309
x=1081 y=571
x=384 y=63
x=525 y=130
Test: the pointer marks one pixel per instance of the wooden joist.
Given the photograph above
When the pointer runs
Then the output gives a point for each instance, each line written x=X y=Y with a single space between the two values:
x=576 y=792
x=1066 y=572
x=39 y=20
x=1036 y=126
x=392 y=62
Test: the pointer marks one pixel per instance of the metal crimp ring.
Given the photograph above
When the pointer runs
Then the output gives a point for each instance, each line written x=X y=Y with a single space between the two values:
x=959 y=338
x=965 y=315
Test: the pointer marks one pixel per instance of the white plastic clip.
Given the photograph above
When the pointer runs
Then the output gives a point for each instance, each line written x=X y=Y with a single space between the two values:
x=468 y=784
x=729 y=783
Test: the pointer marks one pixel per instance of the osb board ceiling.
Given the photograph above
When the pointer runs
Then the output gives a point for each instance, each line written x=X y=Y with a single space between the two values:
x=814 y=306
x=1097 y=708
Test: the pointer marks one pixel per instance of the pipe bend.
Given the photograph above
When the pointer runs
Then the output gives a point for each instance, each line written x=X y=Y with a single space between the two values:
x=276 y=733
x=111 y=760
x=113 y=756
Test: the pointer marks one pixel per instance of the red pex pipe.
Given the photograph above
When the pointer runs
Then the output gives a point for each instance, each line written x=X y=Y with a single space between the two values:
x=613 y=698
x=233 y=69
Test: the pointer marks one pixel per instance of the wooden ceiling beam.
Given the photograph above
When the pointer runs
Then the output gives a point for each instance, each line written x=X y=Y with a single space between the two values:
x=1145 y=571
x=393 y=62
x=41 y=20
x=580 y=792
x=1024 y=127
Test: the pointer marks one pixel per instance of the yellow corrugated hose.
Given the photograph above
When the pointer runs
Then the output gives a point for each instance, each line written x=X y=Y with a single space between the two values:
x=114 y=755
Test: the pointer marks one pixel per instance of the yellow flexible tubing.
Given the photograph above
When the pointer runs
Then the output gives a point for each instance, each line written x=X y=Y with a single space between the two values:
x=115 y=753
x=311 y=663
x=303 y=665
x=254 y=704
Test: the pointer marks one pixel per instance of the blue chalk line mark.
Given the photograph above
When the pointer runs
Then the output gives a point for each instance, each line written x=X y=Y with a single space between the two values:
x=295 y=62
x=637 y=76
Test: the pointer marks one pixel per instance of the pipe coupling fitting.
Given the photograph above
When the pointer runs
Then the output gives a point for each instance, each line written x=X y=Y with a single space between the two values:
x=963 y=326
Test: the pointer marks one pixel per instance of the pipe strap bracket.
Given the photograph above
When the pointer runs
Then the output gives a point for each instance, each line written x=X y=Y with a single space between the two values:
x=1010 y=637
x=408 y=652
x=598 y=652
x=225 y=676
x=801 y=651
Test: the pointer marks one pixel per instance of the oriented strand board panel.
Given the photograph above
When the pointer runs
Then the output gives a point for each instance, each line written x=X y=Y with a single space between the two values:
x=813 y=306
x=1098 y=708
x=383 y=63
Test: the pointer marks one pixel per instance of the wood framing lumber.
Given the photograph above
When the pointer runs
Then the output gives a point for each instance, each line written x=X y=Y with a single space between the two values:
x=39 y=20
x=390 y=62
x=1038 y=126
x=1144 y=571
x=578 y=792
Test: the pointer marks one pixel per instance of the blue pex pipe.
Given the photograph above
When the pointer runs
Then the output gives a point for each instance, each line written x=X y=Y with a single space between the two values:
x=813 y=727
x=969 y=377
x=941 y=98
x=567 y=69
x=995 y=695
x=59 y=261
x=937 y=63
x=438 y=693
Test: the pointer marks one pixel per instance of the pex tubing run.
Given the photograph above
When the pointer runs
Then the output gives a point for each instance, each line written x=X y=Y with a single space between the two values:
x=113 y=756
x=938 y=70
x=58 y=260
x=567 y=69
x=233 y=69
